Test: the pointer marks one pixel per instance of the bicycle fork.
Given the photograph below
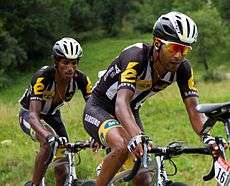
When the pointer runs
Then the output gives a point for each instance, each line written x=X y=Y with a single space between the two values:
x=72 y=171
x=162 y=178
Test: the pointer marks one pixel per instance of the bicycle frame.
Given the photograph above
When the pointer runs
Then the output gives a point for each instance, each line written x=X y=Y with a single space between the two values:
x=71 y=150
x=72 y=170
x=162 y=177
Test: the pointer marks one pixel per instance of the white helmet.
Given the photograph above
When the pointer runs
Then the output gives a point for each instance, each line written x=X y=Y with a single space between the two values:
x=67 y=48
x=177 y=27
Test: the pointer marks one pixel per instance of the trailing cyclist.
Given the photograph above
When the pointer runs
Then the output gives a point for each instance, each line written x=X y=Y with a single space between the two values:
x=40 y=117
x=111 y=115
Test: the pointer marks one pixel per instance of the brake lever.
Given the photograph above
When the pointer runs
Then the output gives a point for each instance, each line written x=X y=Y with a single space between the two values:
x=211 y=173
x=220 y=145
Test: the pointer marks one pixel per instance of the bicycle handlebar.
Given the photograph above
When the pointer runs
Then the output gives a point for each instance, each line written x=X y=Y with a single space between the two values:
x=168 y=152
x=77 y=146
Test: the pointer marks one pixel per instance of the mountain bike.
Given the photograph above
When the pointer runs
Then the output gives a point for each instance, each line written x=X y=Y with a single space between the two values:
x=216 y=112
x=73 y=149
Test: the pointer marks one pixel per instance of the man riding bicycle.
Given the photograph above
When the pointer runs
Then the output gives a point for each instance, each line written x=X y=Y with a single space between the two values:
x=40 y=117
x=111 y=114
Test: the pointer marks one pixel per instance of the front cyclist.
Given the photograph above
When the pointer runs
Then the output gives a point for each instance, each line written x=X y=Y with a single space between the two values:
x=111 y=114
x=40 y=116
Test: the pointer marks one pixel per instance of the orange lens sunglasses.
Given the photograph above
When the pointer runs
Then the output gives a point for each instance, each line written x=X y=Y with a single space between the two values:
x=173 y=47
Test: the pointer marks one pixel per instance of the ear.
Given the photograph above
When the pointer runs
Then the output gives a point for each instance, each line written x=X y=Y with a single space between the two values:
x=157 y=44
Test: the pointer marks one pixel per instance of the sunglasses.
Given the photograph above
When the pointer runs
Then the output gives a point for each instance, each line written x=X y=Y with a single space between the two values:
x=173 y=47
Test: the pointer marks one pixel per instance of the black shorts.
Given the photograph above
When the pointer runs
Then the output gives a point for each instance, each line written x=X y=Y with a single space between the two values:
x=53 y=121
x=97 y=112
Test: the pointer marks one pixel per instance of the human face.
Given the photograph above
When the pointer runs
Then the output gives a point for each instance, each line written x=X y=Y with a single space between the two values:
x=172 y=54
x=66 y=68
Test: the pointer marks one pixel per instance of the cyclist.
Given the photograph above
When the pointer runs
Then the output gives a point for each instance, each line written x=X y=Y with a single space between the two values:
x=40 y=117
x=111 y=115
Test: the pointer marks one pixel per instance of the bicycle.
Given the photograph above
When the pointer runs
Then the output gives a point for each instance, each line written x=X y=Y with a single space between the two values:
x=159 y=174
x=73 y=149
x=220 y=167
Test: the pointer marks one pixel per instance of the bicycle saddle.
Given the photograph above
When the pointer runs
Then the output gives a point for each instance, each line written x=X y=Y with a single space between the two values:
x=212 y=107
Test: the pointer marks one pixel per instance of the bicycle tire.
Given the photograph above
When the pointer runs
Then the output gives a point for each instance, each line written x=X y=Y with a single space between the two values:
x=177 y=184
x=84 y=183
x=118 y=179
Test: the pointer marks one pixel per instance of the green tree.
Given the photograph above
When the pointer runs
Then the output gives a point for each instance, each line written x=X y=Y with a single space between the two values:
x=11 y=54
x=223 y=6
x=188 y=6
x=82 y=15
x=111 y=14
x=147 y=13
x=211 y=34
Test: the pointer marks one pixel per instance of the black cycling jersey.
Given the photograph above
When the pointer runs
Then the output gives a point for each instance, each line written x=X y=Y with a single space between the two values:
x=132 y=69
x=43 y=88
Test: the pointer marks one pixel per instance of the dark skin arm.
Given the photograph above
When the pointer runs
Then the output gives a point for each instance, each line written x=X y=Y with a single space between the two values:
x=34 y=119
x=125 y=116
x=197 y=119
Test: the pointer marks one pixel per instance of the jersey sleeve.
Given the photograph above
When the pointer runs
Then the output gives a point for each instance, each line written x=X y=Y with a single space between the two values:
x=39 y=84
x=85 y=85
x=186 y=81
x=131 y=65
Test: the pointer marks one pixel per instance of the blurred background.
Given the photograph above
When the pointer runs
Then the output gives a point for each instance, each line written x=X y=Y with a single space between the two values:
x=28 y=30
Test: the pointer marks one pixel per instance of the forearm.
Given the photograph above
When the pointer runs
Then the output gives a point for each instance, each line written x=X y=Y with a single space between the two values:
x=197 y=119
x=197 y=122
x=125 y=116
x=37 y=125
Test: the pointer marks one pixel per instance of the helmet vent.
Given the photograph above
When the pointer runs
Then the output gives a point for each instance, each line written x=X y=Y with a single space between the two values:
x=180 y=26
x=194 y=29
x=76 y=50
x=188 y=26
x=178 y=17
x=165 y=18
x=66 y=50
x=71 y=46
x=168 y=29
x=59 y=52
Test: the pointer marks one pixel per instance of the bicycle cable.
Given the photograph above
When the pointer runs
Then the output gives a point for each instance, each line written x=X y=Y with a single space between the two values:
x=175 y=168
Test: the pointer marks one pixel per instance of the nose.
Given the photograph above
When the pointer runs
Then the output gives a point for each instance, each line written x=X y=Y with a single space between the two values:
x=70 y=67
x=178 y=55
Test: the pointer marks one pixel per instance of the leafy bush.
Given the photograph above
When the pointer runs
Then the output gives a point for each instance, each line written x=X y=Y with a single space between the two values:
x=214 y=75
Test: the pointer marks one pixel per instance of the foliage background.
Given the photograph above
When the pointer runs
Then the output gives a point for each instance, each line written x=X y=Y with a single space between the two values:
x=29 y=28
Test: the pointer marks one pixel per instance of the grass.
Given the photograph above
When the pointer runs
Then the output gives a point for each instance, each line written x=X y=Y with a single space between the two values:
x=163 y=115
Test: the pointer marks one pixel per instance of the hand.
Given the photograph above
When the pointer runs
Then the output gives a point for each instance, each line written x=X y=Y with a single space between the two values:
x=62 y=141
x=211 y=142
x=94 y=145
x=53 y=143
x=135 y=145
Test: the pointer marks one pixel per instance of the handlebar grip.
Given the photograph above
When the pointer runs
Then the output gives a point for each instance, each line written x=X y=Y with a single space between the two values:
x=133 y=171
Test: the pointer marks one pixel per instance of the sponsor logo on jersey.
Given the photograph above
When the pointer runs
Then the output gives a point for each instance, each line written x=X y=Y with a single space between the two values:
x=111 y=123
x=92 y=120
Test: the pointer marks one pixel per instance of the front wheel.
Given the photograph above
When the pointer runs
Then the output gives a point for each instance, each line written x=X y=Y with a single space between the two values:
x=84 y=183
x=177 y=184
x=118 y=180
